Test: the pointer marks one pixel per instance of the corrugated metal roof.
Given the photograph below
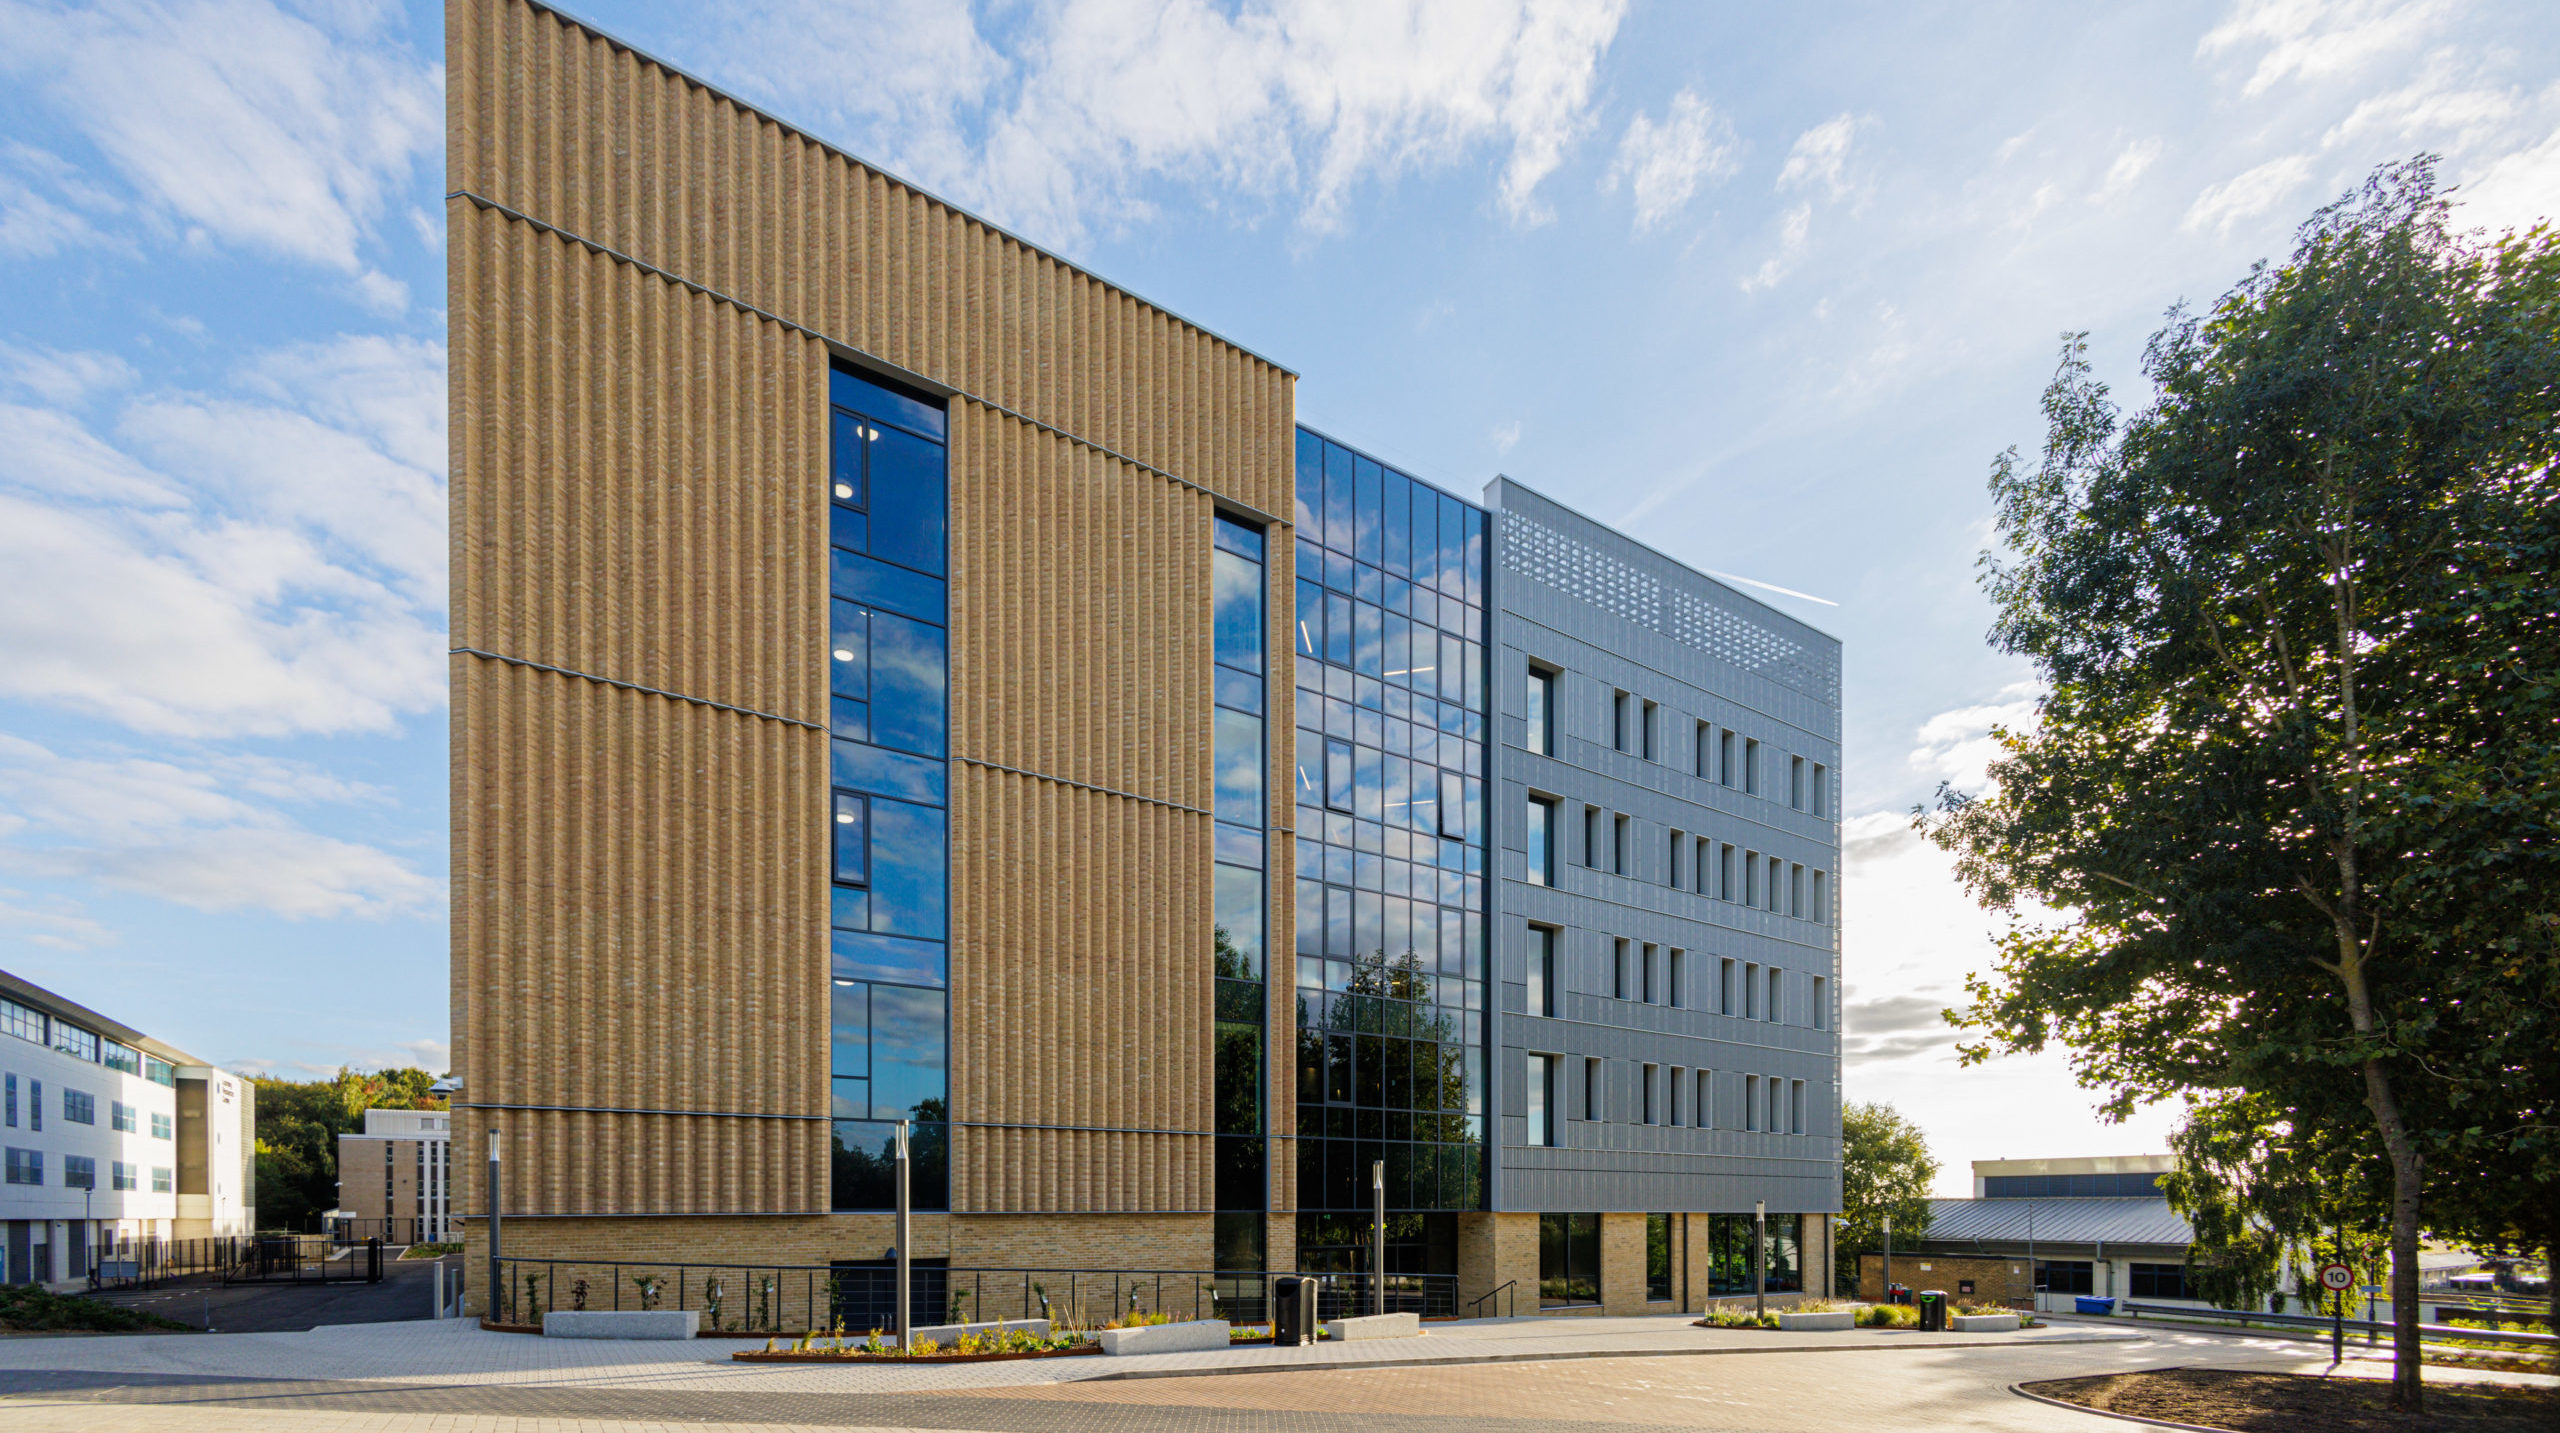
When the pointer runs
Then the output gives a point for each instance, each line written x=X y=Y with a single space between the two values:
x=2056 y=1221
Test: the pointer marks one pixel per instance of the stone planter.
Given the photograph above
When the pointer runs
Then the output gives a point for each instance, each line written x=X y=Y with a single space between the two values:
x=1190 y=1337
x=952 y=1333
x=1374 y=1326
x=609 y=1323
x=1836 y=1319
x=1984 y=1323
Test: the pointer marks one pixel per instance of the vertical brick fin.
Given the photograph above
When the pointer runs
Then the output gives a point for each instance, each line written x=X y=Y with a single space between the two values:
x=558 y=122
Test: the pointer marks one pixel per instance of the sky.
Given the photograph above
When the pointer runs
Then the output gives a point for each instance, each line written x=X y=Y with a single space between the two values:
x=1768 y=286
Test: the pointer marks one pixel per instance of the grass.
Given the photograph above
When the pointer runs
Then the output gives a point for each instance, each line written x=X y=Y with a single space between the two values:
x=434 y=1251
x=27 y=1308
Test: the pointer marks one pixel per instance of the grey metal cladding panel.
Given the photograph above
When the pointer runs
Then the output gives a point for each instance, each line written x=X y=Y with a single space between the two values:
x=2062 y=1220
x=1559 y=1180
x=1607 y=587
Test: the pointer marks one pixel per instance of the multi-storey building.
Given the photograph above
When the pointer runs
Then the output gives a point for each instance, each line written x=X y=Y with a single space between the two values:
x=900 y=676
x=395 y=1179
x=111 y=1139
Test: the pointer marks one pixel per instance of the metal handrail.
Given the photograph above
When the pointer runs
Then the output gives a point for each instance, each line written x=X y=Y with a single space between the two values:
x=783 y=1297
x=2321 y=1321
x=1510 y=1306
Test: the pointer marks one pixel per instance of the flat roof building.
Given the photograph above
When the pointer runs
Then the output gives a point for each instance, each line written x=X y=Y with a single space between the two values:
x=899 y=676
x=395 y=1178
x=111 y=1139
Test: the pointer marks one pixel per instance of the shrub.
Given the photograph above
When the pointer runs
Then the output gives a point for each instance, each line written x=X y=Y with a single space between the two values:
x=28 y=1308
x=1890 y=1316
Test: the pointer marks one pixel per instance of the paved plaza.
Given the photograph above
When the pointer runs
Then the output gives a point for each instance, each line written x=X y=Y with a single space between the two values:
x=1508 y=1376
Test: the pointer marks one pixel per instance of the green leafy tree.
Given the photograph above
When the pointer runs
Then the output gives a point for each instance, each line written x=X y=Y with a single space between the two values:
x=299 y=1122
x=1885 y=1171
x=2298 y=660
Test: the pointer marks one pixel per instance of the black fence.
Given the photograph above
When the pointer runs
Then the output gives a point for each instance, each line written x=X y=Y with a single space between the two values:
x=861 y=1295
x=149 y=1263
x=298 y=1260
x=394 y=1233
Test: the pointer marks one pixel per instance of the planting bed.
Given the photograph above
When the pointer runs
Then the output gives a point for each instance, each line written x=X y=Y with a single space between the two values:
x=818 y=1355
x=2289 y=1402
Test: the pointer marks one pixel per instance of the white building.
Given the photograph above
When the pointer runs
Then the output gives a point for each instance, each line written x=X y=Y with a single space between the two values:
x=111 y=1138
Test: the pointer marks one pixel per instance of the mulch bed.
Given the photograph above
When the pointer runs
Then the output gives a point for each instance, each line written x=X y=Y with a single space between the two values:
x=785 y=1355
x=2291 y=1402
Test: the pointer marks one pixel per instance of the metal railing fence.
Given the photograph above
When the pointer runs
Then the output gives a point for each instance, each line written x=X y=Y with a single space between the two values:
x=2322 y=1322
x=861 y=1296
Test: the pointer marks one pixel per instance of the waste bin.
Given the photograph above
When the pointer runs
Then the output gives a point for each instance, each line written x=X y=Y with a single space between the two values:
x=1293 y=1311
x=1933 y=1311
x=2083 y=1303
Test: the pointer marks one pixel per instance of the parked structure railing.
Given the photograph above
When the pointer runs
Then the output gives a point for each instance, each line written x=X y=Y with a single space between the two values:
x=1505 y=1293
x=394 y=1233
x=861 y=1295
x=2321 y=1322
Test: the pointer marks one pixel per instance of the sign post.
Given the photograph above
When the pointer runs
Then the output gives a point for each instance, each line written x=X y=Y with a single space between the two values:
x=2337 y=1279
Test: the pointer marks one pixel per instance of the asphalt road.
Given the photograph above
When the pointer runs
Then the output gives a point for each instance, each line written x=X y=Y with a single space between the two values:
x=407 y=1291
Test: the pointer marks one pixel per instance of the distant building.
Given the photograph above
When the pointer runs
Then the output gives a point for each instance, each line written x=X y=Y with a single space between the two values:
x=395 y=1180
x=2059 y=1227
x=111 y=1139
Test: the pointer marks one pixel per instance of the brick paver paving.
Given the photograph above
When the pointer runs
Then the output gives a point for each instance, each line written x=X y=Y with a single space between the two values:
x=453 y=1379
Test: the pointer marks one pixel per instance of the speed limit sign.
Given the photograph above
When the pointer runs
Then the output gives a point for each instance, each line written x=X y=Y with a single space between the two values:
x=2337 y=1278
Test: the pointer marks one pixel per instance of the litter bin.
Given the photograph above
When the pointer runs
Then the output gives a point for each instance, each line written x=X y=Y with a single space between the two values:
x=1933 y=1311
x=2083 y=1303
x=1293 y=1311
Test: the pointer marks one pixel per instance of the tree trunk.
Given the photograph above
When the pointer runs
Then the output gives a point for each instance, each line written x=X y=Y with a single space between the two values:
x=2408 y=1392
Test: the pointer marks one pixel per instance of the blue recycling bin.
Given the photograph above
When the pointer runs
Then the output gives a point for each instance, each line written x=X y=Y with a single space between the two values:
x=2083 y=1303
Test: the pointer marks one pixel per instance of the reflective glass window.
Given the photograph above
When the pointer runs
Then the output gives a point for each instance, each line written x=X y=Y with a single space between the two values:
x=907 y=1038
x=1238 y=759
x=907 y=500
x=852 y=843
x=1239 y=918
x=907 y=863
x=1237 y=610
x=909 y=663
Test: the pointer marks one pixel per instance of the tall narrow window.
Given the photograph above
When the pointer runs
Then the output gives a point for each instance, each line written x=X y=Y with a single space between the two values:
x=1649 y=987
x=1542 y=971
x=1674 y=1090
x=1702 y=1107
x=1724 y=876
x=1542 y=842
x=1751 y=1102
x=1821 y=789
x=1621 y=719
x=1618 y=842
x=1702 y=757
x=1679 y=978
x=1724 y=986
x=1591 y=837
x=1542 y=711
x=1751 y=990
x=1671 y=875
x=1591 y=1089
x=1795 y=1106
x=1795 y=890
x=1777 y=1106
x=1821 y=898
x=1750 y=767
x=1651 y=1074
x=1618 y=970
x=1821 y=1002
x=1239 y=758
x=1728 y=745
x=1539 y=1099
x=1751 y=886
x=1652 y=716
x=1795 y=782
x=1700 y=860
x=888 y=679
x=1776 y=1013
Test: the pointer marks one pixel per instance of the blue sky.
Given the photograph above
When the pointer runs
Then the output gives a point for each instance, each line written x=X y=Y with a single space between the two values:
x=1768 y=285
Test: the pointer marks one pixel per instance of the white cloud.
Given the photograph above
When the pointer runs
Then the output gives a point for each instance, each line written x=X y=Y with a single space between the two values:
x=62 y=377
x=2134 y=161
x=1663 y=164
x=1957 y=747
x=1507 y=436
x=1795 y=230
x=279 y=131
x=1264 y=105
x=2248 y=194
x=189 y=833
x=2514 y=191
x=53 y=923
x=1820 y=157
x=2319 y=39
x=230 y=566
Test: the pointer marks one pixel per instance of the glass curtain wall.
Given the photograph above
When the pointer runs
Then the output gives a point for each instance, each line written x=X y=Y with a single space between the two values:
x=1391 y=837
x=888 y=665
x=1236 y=622
x=1729 y=1254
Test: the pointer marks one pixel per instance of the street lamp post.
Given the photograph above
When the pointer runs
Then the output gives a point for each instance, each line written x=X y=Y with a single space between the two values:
x=906 y=1267
x=1888 y=1258
x=490 y=1302
x=1760 y=1258
x=1377 y=1236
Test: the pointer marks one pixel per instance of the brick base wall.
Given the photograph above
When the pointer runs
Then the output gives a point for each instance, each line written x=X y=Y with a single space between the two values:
x=1994 y=1280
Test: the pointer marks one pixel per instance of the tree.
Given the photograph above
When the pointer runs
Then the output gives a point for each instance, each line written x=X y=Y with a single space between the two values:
x=1885 y=1170
x=2263 y=1185
x=299 y=1122
x=2299 y=699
